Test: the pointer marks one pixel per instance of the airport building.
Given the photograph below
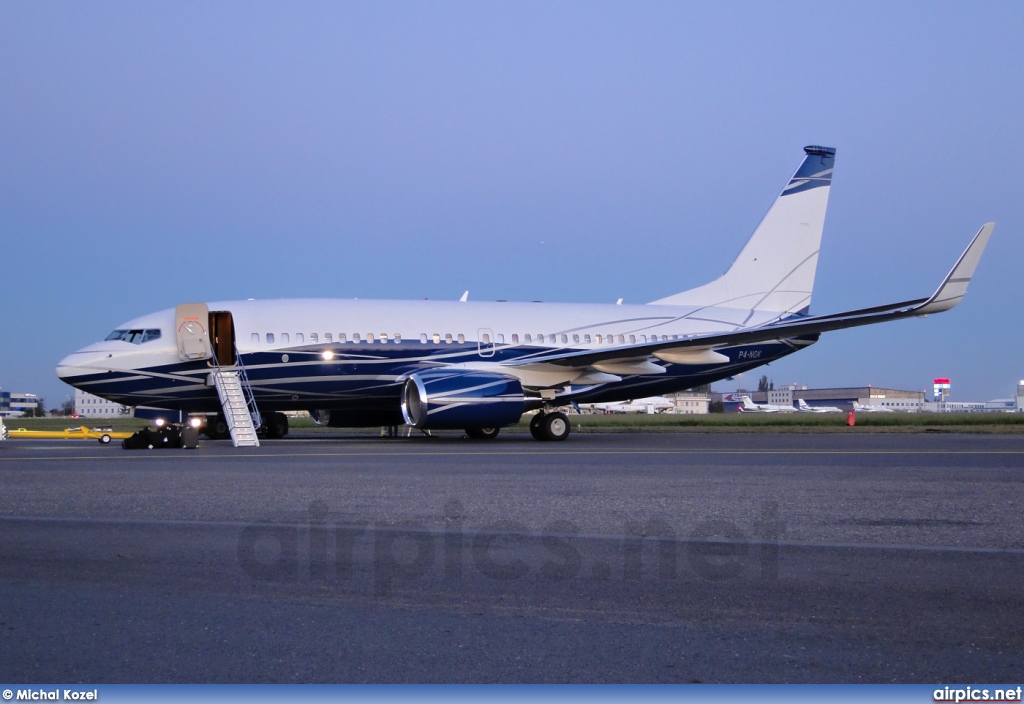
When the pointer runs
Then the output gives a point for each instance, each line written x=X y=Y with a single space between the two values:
x=690 y=402
x=89 y=406
x=843 y=397
x=1008 y=405
x=17 y=405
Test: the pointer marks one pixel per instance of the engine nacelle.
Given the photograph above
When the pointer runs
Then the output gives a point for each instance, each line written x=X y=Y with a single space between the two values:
x=439 y=399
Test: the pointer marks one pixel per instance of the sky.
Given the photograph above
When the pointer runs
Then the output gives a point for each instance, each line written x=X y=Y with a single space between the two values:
x=164 y=152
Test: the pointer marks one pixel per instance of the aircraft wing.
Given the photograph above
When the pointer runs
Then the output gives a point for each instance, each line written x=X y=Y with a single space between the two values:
x=949 y=293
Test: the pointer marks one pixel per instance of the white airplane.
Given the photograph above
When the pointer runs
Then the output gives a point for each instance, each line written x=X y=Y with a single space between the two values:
x=866 y=408
x=802 y=406
x=748 y=406
x=479 y=366
x=653 y=404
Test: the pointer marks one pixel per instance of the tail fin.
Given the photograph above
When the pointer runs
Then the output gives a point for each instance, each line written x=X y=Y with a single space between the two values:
x=775 y=270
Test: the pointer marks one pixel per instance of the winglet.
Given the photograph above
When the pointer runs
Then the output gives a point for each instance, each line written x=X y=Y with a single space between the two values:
x=954 y=286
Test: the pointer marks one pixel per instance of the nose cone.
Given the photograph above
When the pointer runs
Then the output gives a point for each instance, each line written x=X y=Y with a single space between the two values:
x=88 y=360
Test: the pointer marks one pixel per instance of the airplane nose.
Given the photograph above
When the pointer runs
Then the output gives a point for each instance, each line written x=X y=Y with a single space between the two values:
x=84 y=361
x=69 y=366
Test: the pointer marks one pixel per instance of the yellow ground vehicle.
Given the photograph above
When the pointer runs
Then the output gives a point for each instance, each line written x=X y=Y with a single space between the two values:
x=81 y=433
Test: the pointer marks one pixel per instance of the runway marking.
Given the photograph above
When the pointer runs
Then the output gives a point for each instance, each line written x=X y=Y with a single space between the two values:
x=143 y=455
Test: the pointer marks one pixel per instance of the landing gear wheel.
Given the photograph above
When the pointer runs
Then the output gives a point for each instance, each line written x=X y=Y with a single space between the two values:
x=483 y=433
x=535 y=426
x=104 y=439
x=218 y=429
x=277 y=425
x=555 y=426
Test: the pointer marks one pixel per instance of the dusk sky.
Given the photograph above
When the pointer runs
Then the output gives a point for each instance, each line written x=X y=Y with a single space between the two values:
x=158 y=153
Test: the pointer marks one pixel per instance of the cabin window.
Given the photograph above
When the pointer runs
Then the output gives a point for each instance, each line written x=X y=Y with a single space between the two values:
x=485 y=338
x=298 y=338
x=564 y=338
x=423 y=338
x=255 y=337
x=314 y=338
x=597 y=339
x=500 y=339
x=551 y=339
x=448 y=338
x=284 y=338
x=622 y=339
x=575 y=339
x=342 y=337
x=355 y=337
x=586 y=339
x=398 y=338
x=437 y=338
x=515 y=338
x=369 y=337
x=462 y=338
x=643 y=338
x=270 y=338
x=632 y=339
x=383 y=337
x=328 y=337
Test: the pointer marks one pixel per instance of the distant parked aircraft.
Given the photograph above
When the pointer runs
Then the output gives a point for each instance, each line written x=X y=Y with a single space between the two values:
x=748 y=406
x=651 y=404
x=802 y=406
x=862 y=408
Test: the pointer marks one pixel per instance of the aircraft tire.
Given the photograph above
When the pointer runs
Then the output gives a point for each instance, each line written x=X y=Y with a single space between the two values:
x=277 y=425
x=218 y=429
x=535 y=426
x=483 y=433
x=104 y=439
x=555 y=426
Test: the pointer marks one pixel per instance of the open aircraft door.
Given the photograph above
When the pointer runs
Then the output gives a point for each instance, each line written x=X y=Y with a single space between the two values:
x=192 y=323
x=222 y=337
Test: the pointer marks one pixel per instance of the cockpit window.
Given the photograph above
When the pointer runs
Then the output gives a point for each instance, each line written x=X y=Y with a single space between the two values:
x=136 y=337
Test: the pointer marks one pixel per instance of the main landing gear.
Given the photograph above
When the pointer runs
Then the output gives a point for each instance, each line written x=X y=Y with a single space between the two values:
x=550 y=426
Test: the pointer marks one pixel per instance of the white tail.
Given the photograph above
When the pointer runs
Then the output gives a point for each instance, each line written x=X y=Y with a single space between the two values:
x=775 y=270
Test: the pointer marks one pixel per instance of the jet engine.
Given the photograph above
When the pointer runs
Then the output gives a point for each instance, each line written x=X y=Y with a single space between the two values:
x=439 y=399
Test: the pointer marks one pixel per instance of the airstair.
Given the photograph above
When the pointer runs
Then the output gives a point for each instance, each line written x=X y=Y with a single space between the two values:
x=236 y=399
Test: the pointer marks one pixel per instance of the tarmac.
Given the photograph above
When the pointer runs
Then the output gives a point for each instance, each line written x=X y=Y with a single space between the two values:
x=606 y=558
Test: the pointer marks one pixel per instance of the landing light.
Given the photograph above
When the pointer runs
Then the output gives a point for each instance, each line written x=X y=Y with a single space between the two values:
x=328 y=355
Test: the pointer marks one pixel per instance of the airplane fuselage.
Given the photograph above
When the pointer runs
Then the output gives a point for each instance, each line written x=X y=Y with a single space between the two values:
x=352 y=356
